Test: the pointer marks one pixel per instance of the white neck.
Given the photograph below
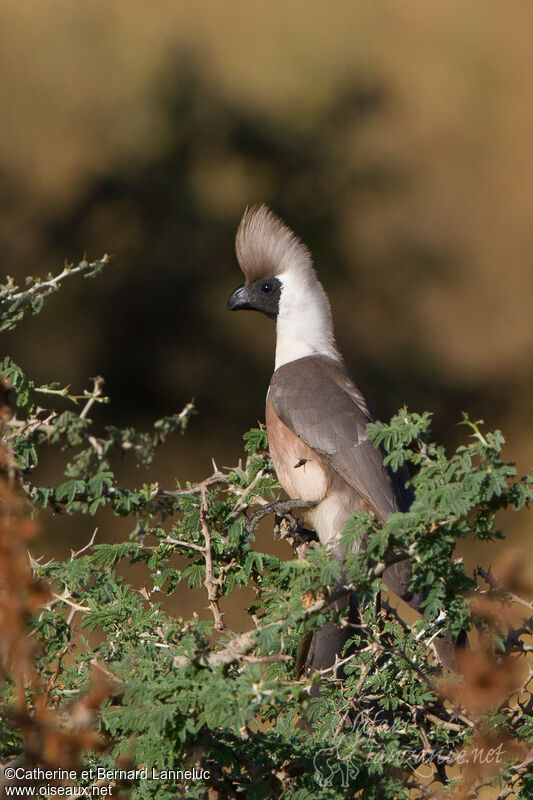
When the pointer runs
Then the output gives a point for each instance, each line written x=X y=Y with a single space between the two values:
x=304 y=325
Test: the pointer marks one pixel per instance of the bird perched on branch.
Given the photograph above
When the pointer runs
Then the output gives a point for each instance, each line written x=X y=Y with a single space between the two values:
x=316 y=416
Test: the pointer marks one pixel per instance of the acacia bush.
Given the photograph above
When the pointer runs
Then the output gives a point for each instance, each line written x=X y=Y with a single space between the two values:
x=97 y=675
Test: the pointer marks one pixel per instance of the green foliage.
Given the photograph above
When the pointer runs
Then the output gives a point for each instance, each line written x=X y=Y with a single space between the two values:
x=255 y=440
x=14 y=302
x=191 y=691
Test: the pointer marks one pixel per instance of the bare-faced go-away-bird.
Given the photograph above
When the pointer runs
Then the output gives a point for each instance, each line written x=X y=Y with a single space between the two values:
x=316 y=416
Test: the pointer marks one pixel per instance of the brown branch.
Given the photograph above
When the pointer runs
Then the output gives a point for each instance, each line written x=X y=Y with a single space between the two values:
x=499 y=588
x=453 y=726
x=76 y=553
x=272 y=659
x=181 y=543
x=238 y=647
x=96 y=393
x=217 y=477
x=211 y=584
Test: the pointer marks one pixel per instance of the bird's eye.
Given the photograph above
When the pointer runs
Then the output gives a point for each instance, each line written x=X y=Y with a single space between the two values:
x=267 y=287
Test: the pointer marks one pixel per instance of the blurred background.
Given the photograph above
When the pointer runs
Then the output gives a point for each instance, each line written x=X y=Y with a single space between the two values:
x=397 y=143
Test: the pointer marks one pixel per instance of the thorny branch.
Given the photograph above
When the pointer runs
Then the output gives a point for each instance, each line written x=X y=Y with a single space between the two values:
x=212 y=584
x=500 y=590
x=13 y=302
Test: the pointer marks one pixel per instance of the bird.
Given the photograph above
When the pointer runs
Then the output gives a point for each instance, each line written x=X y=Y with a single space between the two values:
x=316 y=415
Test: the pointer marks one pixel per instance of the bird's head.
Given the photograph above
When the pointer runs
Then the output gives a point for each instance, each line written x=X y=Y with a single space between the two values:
x=270 y=255
x=280 y=281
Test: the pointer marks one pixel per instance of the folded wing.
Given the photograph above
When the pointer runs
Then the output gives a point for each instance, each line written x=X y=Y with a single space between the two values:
x=316 y=398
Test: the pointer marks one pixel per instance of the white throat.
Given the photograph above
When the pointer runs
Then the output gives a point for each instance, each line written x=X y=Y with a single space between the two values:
x=304 y=325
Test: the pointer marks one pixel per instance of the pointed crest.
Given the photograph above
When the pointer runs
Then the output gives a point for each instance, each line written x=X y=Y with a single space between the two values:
x=266 y=247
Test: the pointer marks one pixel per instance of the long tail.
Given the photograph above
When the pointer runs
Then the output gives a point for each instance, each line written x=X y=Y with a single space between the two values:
x=321 y=650
x=397 y=578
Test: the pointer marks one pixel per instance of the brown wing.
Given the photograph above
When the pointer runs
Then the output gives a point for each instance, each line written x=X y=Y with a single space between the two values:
x=316 y=398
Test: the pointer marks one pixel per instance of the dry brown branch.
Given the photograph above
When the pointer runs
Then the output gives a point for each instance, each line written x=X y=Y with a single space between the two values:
x=212 y=585
x=96 y=393
x=500 y=589
x=238 y=647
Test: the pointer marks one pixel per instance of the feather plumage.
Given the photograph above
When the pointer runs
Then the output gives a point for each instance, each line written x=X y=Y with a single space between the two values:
x=266 y=247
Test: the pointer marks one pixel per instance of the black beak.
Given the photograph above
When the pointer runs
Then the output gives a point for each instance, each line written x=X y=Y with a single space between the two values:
x=238 y=299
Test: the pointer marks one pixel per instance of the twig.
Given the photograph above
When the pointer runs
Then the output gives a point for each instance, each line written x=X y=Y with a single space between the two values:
x=65 y=599
x=212 y=586
x=75 y=553
x=453 y=726
x=197 y=488
x=180 y=543
x=497 y=587
x=44 y=288
x=342 y=661
x=95 y=396
x=238 y=647
x=272 y=659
